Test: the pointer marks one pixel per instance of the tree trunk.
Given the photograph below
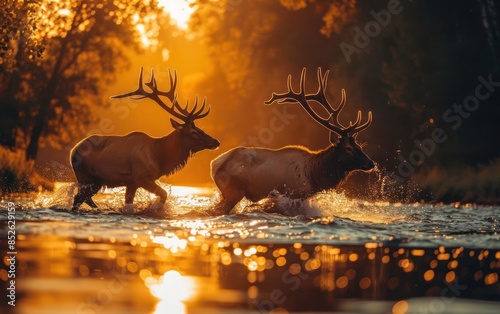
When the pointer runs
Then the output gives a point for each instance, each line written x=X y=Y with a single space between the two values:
x=48 y=93
x=36 y=133
x=9 y=121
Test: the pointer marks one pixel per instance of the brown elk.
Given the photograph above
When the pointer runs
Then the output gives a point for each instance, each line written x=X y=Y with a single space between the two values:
x=136 y=160
x=293 y=171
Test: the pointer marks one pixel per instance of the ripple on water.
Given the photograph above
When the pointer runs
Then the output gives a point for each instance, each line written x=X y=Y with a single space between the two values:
x=327 y=217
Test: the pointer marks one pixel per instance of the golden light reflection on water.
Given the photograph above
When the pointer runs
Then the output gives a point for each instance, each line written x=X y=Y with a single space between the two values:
x=171 y=242
x=172 y=264
x=183 y=191
x=172 y=289
x=174 y=275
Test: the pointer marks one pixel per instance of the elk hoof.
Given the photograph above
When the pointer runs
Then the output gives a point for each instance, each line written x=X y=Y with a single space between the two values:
x=128 y=209
x=159 y=210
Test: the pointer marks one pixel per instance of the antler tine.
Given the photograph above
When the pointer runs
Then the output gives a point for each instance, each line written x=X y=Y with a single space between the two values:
x=320 y=97
x=194 y=113
x=182 y=110
x=284 y=97
x=203 y=105
x=154 y=94
x=140 y=92
x=332 y=123
x=302 y=84
x=360 y=128
x=199 y=114
x=339 y=109
x=302 y=99
x=355 y=124
x=170 y=94
x=152 y=82
x=195 y=105
x=173 y=81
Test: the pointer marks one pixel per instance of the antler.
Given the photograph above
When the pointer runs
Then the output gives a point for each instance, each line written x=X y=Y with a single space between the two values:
x=332 y=122
x=193 y=113
x=171 y=95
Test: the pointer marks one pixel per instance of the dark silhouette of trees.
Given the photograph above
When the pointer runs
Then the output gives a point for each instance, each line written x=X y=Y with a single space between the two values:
x=423 y=57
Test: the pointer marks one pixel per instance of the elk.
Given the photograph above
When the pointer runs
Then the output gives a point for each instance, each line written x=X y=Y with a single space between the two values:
x=137 y=160
x=293 y=171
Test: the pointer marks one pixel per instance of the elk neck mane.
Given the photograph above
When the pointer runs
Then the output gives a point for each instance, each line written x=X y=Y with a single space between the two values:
x=172 y=154
x=325 y=169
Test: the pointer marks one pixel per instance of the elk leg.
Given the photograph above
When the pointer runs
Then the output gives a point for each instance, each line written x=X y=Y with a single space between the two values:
x=85 y=192
x=78 y=200
x=152 y=187
x=91 y=203
x=93 y=189
x=130 y=194
x=231 y=195
x=224 y=207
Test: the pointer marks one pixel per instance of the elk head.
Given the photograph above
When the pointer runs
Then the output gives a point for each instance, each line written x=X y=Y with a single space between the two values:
x=193 y=138
x=350 y=153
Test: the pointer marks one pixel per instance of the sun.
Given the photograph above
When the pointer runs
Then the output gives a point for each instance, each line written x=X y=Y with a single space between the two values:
x=179 y=10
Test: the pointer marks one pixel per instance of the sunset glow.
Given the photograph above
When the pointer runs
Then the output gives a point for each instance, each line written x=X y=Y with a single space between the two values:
x=179 y=10
x=231 y=156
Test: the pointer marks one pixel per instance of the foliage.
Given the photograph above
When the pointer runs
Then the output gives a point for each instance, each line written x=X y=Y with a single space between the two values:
x=465 y=184
x=254 y=45
x=86 y=42
x=17 y=31
x=416 y=67
x=249 y=39
x=411 y=71
x=18 y=175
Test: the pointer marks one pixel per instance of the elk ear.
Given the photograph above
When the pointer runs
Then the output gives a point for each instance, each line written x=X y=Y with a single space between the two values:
x=176 y=125
x=334 y=138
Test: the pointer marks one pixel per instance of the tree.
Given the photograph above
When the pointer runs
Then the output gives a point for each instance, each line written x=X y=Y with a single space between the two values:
x=411 y=69
x=17 y=41
x=86 y=42
x=256 y=44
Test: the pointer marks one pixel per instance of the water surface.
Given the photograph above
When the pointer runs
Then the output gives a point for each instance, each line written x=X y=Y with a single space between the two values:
x=326 y=253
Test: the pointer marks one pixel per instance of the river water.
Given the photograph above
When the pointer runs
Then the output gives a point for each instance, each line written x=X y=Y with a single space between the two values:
x=327 y=253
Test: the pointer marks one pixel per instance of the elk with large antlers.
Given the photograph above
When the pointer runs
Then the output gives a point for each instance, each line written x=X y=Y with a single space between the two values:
x=293 y=171
x=136 y=159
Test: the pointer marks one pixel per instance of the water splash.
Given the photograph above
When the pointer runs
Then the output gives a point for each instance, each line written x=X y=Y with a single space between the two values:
x=326 y=217
x=112 y=201
x=189 y=202
x=382 y=185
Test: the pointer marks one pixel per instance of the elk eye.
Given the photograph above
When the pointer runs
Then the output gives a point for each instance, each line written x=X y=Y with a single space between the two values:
x=194 y=134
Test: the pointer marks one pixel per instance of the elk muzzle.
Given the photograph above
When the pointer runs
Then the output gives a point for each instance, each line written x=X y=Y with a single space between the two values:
x=368 y=165
x=213 y=144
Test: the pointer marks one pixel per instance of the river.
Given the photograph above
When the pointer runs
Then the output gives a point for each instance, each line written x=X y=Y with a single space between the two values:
x=327 y=253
